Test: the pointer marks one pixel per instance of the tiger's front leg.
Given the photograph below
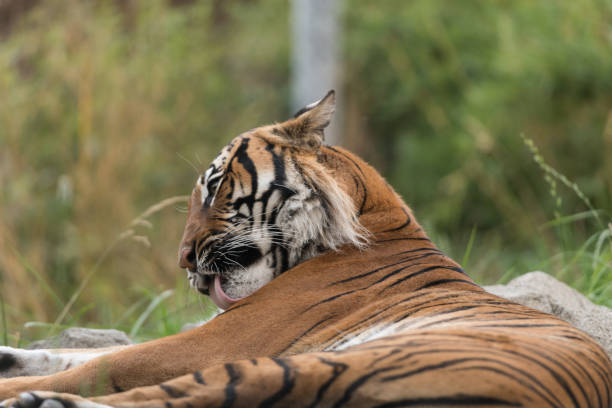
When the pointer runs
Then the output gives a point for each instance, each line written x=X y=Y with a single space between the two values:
x=16 y=362
x=142 y=364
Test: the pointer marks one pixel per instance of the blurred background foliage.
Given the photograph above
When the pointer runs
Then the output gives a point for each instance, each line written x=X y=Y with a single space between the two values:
x=111 y=107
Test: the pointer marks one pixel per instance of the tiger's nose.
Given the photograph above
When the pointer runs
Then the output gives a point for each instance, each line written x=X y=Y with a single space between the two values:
x=187 y=259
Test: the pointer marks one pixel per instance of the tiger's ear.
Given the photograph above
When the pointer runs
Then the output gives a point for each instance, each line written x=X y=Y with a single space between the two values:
x=306 y=128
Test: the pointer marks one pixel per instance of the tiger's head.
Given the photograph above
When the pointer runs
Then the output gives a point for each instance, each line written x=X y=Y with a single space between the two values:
x=266 y=203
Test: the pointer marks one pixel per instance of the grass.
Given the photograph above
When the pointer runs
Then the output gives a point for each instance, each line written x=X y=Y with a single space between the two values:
x=581 y=255
x=588 y=265
x=127 y=234
x=151 y=316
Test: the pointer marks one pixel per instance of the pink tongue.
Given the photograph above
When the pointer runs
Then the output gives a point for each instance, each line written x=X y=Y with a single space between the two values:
x=218 y=295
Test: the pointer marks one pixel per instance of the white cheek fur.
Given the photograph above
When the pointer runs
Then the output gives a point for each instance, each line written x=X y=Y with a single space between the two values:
x=245 y=281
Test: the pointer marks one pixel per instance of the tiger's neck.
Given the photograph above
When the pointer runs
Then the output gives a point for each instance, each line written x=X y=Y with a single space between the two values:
x=368 y=189
x=379 y=207
x=396 y=234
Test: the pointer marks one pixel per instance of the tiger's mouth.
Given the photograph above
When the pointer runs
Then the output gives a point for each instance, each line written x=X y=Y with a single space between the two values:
x=216 y=271
x=211 y=285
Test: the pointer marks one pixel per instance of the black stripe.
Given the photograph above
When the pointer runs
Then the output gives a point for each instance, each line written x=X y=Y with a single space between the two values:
x=404 y=225
x=279 y=167
x=348 y=393
x=404 y=239
x=329 y=299
x=233 y=308
x=245 y=160
x=423 y=256
x=452 y=318
x=429 y=367
x=443 y=281
x=414 y=274
x=359 y=183
x=456 y=400
x=337 y=370
x=288 y=384
x=421 y=249
x=284 y=258
x=429 y=304
x=116 y=388
x=347 y=157
x=171 y=391
x=363 y=186
x=317 y=324
x=197 y=377
x=516 y=325
x=365 y=274
x=384 y=357
x=230 y=388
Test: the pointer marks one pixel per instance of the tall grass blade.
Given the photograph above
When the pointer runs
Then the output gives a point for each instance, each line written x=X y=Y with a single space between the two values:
x=129 y=312
x=508 y=276
x=160 y=206
x=551 y=173
x=4 y=324
x=568 y=219
x=43 y=284
x=79 y=313
x=605 y=234
x=85 y=281
x=468 y=249
x=152 y=306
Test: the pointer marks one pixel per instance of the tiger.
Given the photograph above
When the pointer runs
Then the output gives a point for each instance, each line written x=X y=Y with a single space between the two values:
x=332 y=295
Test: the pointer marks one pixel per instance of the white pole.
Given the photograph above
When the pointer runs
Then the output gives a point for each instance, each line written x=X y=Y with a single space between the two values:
x=315 y=62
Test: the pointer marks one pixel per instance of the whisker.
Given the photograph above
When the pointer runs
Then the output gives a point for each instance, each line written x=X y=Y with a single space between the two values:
x=198 y=172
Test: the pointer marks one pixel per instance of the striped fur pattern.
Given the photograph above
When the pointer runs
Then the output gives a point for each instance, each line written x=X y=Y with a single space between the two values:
x=373 y=315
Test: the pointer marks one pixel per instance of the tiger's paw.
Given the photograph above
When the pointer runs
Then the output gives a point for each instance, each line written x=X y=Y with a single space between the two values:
x=44 y=399
x=19 y=362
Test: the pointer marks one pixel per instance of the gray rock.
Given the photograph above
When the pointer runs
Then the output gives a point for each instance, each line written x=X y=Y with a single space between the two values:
x=79 y=337
x=543 y=292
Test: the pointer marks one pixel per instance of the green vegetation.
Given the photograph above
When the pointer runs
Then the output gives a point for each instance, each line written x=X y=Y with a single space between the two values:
x=492 y=119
